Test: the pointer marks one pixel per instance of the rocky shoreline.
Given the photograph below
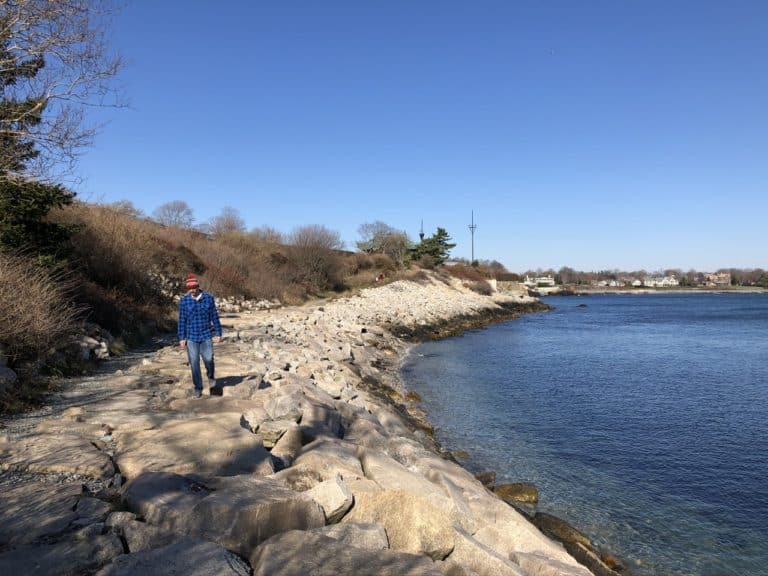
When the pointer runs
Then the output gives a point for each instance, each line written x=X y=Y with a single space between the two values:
x=309 y=457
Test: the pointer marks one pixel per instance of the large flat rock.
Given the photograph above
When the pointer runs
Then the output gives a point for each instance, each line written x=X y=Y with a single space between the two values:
x=212 y=445
x=238 y=512
x=56 y=454
x=298 y=553
x=189 y=557
x=32 y=510
x=62 y=558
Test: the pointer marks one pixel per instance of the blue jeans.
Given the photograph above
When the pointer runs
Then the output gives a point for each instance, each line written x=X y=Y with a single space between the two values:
x=196 y=350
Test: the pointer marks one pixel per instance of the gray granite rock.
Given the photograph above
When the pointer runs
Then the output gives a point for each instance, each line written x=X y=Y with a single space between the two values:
x=33 y=510
x=72 y=556
x=189 y=557
x=298 y=553
x=359 y=535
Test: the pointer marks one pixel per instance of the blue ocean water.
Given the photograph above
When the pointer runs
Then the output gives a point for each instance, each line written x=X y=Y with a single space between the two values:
x=643 y=420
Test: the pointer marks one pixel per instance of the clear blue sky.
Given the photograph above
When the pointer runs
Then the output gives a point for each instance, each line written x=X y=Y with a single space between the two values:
x=593 y=134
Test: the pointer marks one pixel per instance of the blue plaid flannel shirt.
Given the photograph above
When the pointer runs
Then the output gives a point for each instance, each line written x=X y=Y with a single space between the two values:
x=198 y=318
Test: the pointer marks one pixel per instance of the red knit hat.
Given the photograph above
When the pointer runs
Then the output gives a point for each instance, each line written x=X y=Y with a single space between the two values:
x=191 y=281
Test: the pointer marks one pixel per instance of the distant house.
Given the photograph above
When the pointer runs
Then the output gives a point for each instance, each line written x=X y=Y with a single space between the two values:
x=660 y=282
x=637 y=283
x=539 y=281
x=718 y=279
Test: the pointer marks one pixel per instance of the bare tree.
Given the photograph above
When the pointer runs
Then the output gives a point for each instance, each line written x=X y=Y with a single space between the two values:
x=267 y=235
x=54 y=64
x=316 y=236
x=380 y=238
x=127 y=208
x=175 y=213
x=313 y=254
x=228 y=221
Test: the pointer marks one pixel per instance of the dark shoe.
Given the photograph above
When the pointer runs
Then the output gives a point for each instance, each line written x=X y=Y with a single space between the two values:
x=197 y=394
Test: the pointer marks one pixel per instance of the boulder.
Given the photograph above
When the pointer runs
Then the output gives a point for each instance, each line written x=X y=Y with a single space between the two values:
x=299 y=478
x=332 y=384
x=252 y=418
x=413 y=523
x=318 y=420
x=189 y=557
x=140 y=536
x=238 y=512
x=297 y=553
x=288 y=445
x=164 y=499
x=391 y=475
x=560 y=529
x=368 y=536
x=505 y=530
x=487 y=478
x=330 y=456
x=246 y=389
x=480 y=559
x=513 y=492
x=285 y=405
x=589 y=558
x=117 y=519
x=272 y=430
x=450 y=568
x=333 y=497
x=90 y=511
x=367 y=433
x=542 y=565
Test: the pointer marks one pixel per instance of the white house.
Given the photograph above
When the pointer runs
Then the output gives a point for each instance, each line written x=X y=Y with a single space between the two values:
x=539 y=281
x=660 y=282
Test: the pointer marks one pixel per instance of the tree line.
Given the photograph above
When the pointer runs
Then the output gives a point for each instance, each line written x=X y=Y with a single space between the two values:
x=691 y=277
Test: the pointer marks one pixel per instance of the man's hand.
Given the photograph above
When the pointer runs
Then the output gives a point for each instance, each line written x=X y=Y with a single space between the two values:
x=183 y=343
x=216 y=339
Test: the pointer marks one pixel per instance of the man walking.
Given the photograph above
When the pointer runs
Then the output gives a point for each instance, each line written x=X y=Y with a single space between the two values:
x=199 y=328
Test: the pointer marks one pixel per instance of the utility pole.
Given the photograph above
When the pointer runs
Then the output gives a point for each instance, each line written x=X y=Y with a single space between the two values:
x=472 y=228
x=421 y=232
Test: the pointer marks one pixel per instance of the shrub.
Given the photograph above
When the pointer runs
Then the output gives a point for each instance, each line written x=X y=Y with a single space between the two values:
x=384 y=263
x=465 y=273
x=426 y=262
x=36 y=311
x=360 y=261
x=314 y=260
x=117 y=259
x=480 y=286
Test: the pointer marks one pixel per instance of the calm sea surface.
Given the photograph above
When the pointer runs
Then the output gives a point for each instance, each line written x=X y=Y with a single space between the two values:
x=643 y=420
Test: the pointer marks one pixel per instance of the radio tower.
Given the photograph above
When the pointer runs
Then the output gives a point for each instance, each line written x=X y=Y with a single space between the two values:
x=421 y=232
x=472 y=228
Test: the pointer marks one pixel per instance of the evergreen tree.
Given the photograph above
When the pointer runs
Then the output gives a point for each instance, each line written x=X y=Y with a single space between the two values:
x=437 y=247
x=17 y=117
x=24 y=206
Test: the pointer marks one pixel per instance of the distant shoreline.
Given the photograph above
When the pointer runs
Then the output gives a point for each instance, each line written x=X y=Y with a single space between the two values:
x=589 y=291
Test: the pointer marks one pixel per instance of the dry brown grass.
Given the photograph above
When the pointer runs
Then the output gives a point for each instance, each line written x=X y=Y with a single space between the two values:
x=36 y=311
x=122 y=259
x=472 y=277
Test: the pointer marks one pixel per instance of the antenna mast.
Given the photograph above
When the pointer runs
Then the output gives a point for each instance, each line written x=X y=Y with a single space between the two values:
x=472 y=228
